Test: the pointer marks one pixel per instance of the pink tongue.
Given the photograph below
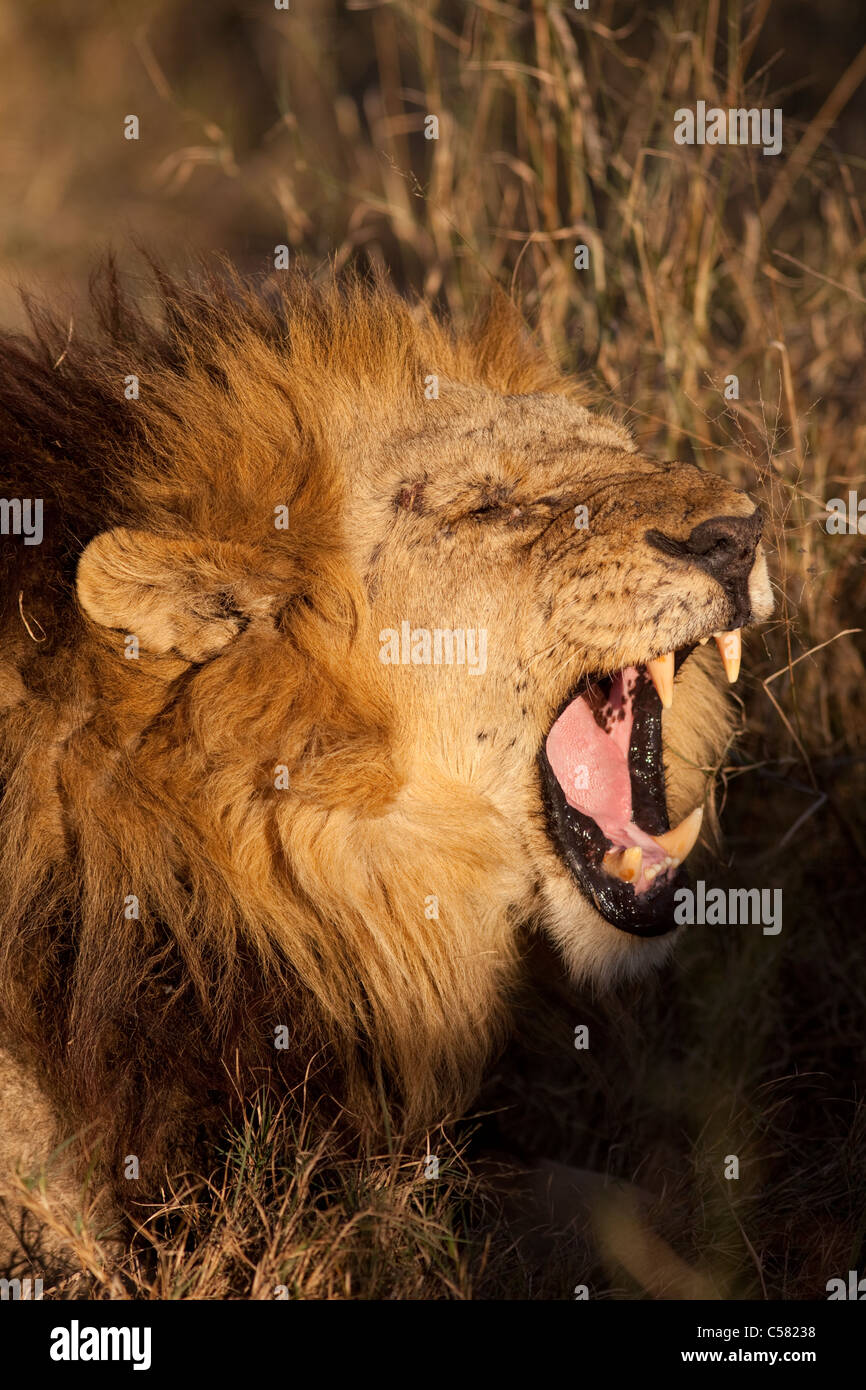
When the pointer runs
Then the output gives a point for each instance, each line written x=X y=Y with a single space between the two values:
x=591 y=766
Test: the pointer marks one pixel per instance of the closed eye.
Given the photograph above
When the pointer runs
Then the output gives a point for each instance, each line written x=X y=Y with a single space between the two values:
x=503 y=511
x=491 y=509
x=512 y=510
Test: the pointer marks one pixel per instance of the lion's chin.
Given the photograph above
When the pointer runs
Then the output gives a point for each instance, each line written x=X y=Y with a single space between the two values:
x=603 y=786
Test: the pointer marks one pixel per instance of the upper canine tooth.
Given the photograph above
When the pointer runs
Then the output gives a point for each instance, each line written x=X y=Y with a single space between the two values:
x=680 y=841
x=662 y=675
x=731 y=647
x=624 y=864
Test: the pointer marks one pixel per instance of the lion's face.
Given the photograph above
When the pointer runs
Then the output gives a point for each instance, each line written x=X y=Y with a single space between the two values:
x=527 y=566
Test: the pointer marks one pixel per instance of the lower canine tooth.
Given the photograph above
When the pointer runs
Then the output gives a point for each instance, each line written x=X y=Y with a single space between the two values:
x=662 y=675
x=680 y=841
x=730 y=645
x=623 y=864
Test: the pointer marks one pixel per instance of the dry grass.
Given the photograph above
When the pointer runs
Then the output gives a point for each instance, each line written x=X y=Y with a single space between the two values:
x=281 y=1215
x=555 y=128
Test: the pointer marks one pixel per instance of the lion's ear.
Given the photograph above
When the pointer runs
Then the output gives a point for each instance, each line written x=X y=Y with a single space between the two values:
x=188 y=597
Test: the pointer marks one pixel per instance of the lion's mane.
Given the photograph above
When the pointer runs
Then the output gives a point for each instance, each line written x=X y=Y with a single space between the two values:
x=149 y=1024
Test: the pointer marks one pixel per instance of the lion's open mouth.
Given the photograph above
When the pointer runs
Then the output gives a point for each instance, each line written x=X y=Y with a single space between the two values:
x=604 y=789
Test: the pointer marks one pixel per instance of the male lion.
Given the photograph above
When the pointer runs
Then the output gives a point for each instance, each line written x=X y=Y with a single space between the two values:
x=343 y=657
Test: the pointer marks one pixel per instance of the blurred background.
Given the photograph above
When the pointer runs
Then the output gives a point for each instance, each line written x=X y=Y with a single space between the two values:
x=306 y=127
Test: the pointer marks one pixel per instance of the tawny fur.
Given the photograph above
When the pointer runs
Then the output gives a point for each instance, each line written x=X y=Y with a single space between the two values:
x=303 y=897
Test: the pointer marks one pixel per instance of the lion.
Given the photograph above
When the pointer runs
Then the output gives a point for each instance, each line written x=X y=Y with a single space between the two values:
x=353 y=648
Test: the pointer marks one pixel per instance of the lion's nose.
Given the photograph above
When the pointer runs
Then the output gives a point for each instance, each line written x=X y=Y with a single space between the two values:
x=724 y=546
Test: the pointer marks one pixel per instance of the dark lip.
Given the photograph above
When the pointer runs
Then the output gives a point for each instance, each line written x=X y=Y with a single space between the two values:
x=581 y=844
